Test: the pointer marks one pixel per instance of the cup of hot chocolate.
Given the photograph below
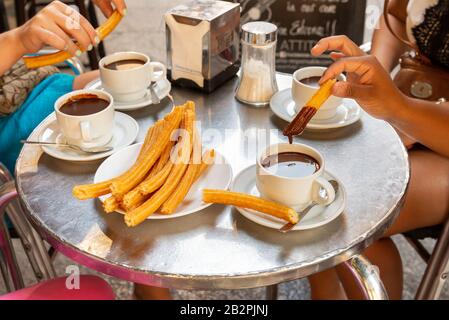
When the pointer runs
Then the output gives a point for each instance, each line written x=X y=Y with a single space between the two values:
x=304 y=86
x=127 y=75
x=86 y=117
x=292 y=174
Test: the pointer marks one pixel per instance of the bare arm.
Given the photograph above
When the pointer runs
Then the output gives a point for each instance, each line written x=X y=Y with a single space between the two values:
x=426 y=122
x=386 y=48
x=11 y=51
x=374 y=90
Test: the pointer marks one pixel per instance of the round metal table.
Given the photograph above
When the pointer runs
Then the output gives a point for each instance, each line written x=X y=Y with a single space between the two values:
x=218 y=248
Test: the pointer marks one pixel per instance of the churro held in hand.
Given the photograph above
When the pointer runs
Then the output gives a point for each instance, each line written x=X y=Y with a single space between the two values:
x=298 y=125
x=103 y=31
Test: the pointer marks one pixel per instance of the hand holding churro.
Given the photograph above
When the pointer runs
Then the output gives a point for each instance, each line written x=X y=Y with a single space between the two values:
x=69 y=48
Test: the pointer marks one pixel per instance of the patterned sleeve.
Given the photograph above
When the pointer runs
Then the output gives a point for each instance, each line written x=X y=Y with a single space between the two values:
x=17 y=83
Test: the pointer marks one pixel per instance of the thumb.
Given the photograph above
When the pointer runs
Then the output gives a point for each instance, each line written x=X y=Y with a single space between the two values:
x=344 y=89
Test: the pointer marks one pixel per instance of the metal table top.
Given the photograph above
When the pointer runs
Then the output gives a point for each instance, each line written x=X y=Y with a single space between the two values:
x=219 y=248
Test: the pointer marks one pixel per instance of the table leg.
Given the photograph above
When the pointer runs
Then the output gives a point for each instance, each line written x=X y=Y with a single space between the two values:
x=272 y=292
x=367 y=277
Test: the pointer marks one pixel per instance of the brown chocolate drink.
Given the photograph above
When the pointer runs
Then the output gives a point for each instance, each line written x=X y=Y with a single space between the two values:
x=125 y=64
x=84 y=105
x=291 y=164
x=312 y=81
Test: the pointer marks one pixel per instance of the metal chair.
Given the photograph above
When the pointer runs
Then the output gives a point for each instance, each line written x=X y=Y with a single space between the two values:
x=32 y=243
x=25 y=9
x=437 y=269
x=35 y=249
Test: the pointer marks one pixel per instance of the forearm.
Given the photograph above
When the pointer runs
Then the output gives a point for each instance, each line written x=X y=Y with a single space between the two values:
x=426 y=122
x=11 y=51
x=385 y=47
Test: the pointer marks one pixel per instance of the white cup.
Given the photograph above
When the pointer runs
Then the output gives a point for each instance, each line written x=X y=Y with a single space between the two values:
x=302 y=93
x=131 y=84
x=296 y=193
x=87 y=131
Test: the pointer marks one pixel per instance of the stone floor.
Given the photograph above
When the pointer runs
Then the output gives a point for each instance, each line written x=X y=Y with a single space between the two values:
x=143 y=31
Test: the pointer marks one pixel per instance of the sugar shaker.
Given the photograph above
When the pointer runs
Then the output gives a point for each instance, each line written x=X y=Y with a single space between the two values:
x=258 y=75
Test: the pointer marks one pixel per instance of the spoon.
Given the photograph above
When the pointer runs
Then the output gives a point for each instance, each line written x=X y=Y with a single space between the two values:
x=71 y=146
x=323 y=199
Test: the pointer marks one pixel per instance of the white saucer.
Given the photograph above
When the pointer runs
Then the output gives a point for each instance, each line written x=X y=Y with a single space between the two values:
x=218 y=176
x=125 y=132
x=349 y=112
x=245 y=182
x=162 y=89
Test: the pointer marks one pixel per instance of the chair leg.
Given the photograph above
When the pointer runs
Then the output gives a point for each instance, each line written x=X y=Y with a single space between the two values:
x=437 y=270
x=4 y=24
x=94 y=20
x=14 y=276
x=92 y=54
x=19 y=6
x=32 y=243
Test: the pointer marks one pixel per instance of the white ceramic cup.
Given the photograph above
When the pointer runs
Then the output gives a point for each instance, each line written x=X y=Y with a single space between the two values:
x=296 y=193
x=302 y=93
x=131 y=84
x=87 y=131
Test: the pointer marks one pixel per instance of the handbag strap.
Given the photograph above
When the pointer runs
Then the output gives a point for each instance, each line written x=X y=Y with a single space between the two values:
x=408 y=43
x=388 y=24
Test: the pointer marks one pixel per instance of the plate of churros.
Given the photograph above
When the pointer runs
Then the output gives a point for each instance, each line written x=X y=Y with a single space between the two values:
x=162 y=177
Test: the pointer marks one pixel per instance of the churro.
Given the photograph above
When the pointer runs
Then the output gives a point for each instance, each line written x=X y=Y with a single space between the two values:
x=94 y=190
x=251 y=202
x=111 y=204
x=140 y=169
x=298 y=125
x=103 y=31
x=138 y=215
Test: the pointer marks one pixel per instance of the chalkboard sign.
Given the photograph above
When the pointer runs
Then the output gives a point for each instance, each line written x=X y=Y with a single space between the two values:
x=302 y=23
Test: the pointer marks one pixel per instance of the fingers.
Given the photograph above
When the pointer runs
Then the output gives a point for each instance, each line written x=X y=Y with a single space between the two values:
x=68 y=46
x=337 y=43
x=50 y=38
x=350 y=90
x=361 y=66
x=72 y=26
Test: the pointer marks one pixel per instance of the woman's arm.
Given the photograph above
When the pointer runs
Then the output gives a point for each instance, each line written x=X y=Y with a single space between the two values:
x=375 y=91
x=58 y=26
x=11 y=51
x=424 y=121
x=385 y=47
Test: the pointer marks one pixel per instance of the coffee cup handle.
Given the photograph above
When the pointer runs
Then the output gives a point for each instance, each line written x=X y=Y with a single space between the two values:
x=85 y=131
x=159 y=71
x=320 y=182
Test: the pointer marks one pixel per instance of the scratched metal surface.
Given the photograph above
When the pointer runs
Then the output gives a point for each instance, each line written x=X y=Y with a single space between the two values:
x=218 y=248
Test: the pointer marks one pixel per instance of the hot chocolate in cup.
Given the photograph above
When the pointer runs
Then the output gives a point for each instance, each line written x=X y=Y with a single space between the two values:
x=86 y=117
x=127 y=75
x=292 y=174
x=304 y=86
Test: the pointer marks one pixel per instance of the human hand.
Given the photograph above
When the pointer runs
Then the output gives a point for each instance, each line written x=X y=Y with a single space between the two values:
x=107 y=8
x=368 y=82
x=59 y=26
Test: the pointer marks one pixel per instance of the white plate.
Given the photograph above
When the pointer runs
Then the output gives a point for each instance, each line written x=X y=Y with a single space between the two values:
x=162 y=89
x=349 y=112
x=245 y=182
x=217 y=176
x=125 y=132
